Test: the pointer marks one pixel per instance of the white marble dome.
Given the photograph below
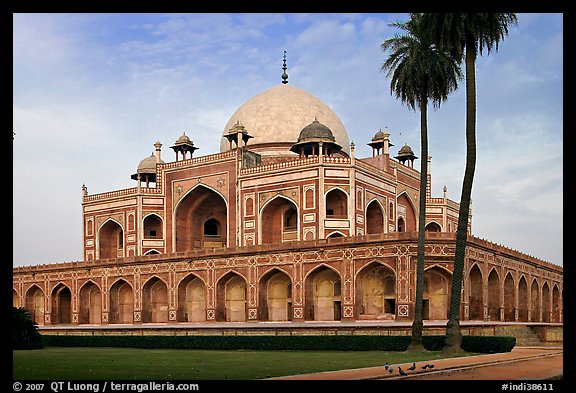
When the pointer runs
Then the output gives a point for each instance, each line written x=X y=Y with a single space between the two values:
x=278 y=115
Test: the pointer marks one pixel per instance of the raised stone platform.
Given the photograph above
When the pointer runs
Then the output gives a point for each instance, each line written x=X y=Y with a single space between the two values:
x=527 y=334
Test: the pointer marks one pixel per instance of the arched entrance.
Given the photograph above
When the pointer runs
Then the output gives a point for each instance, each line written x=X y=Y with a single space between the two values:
x=436 y=296
x=523 y=300
x=555 y=304
x=201 y=220
x=111 y=240
x=433 y=227
x=61 y=305
x=475 y=298
x=231 y=298
x=279 y=220
x=509 y=308
x=34 y=303
x=336 y=204
x=154 y=301
x=374 y=218
x=191 y=300
x=406 y=210
x=376 y=292
x=545 y=303
x=493 y=296
x=121 y=303
x=90 y=304
x=534 y=302
x=275 y=296
x=323 y=295
x=153 y=227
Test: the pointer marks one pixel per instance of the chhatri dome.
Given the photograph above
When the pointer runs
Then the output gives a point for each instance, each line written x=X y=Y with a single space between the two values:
x=275 y=118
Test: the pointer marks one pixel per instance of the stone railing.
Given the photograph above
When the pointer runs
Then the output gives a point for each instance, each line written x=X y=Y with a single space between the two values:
x=198 y=160
x=279 y=166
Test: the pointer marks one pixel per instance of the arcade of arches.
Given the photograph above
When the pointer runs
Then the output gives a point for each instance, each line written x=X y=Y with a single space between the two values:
x=490 y=295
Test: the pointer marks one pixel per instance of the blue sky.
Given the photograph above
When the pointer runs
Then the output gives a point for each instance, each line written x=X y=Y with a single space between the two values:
x=93 y=92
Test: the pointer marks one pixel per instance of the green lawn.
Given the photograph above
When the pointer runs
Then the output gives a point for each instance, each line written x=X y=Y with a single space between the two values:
x=97 y=363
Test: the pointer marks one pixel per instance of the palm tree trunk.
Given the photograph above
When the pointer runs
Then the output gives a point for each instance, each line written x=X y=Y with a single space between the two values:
x=453 y=334
x=418 y=324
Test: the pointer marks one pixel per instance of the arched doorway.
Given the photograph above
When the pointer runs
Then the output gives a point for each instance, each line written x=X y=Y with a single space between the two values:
x=323 y=295
x=61 y=305
x=201 y=220
x=191 y=300
x=509 y=308
x=401 y=226
x=336 y=204
x=555 y=304
x=376 y=292
x=523 y=300
x=493 y=296
x=121 y=303
x=534 y=302
x=279 y=220
x=433 y=227
x=34 y=303
x=231 y=298
x=545 y=303
x=153 y=227
x=374 y=218
x=406 y=210
x=275 y=296
x=111 y=240
x=436 y=296
x=475 y=298
x=154 y=301
x=90 y=304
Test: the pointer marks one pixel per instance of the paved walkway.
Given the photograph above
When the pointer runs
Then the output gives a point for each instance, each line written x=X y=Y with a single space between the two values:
x=522 y=363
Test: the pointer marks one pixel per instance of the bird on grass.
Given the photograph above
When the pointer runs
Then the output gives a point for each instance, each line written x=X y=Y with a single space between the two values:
x=430 y=366
x=401 y=372
x=386 y=365
x=424 y=367
x=390 y=370
x=412 y=367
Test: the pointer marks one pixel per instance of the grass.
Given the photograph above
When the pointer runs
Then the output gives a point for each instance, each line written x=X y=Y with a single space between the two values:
x=106 y=363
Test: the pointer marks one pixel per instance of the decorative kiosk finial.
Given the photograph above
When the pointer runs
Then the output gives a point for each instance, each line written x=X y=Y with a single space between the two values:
x=284 y=74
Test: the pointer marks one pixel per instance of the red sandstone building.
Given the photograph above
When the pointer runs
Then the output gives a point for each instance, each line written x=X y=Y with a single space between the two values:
x=283 y=224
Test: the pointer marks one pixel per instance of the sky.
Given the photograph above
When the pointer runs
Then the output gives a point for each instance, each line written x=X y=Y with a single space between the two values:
x=92 y=93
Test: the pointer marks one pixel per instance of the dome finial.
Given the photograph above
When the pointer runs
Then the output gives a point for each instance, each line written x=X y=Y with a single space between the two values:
x=284 y=74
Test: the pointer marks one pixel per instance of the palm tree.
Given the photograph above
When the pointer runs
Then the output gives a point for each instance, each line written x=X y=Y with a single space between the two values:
x=465 y=35
x=420 y=73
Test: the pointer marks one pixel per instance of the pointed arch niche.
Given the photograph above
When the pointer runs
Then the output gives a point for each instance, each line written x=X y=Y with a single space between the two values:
x=279 y=221
x=231 y=298
x=323 y=300
x=121 y=303
x=110 y=240
x=436 y=296
x=376 y=292
x=90 y=304
x=201 y=220
x=34 y=303
x=191 y=299
x=61 y=305
x=155 y=301
x=275 y=296
x=476 y=294
x=375 y=218
x=406 y=214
